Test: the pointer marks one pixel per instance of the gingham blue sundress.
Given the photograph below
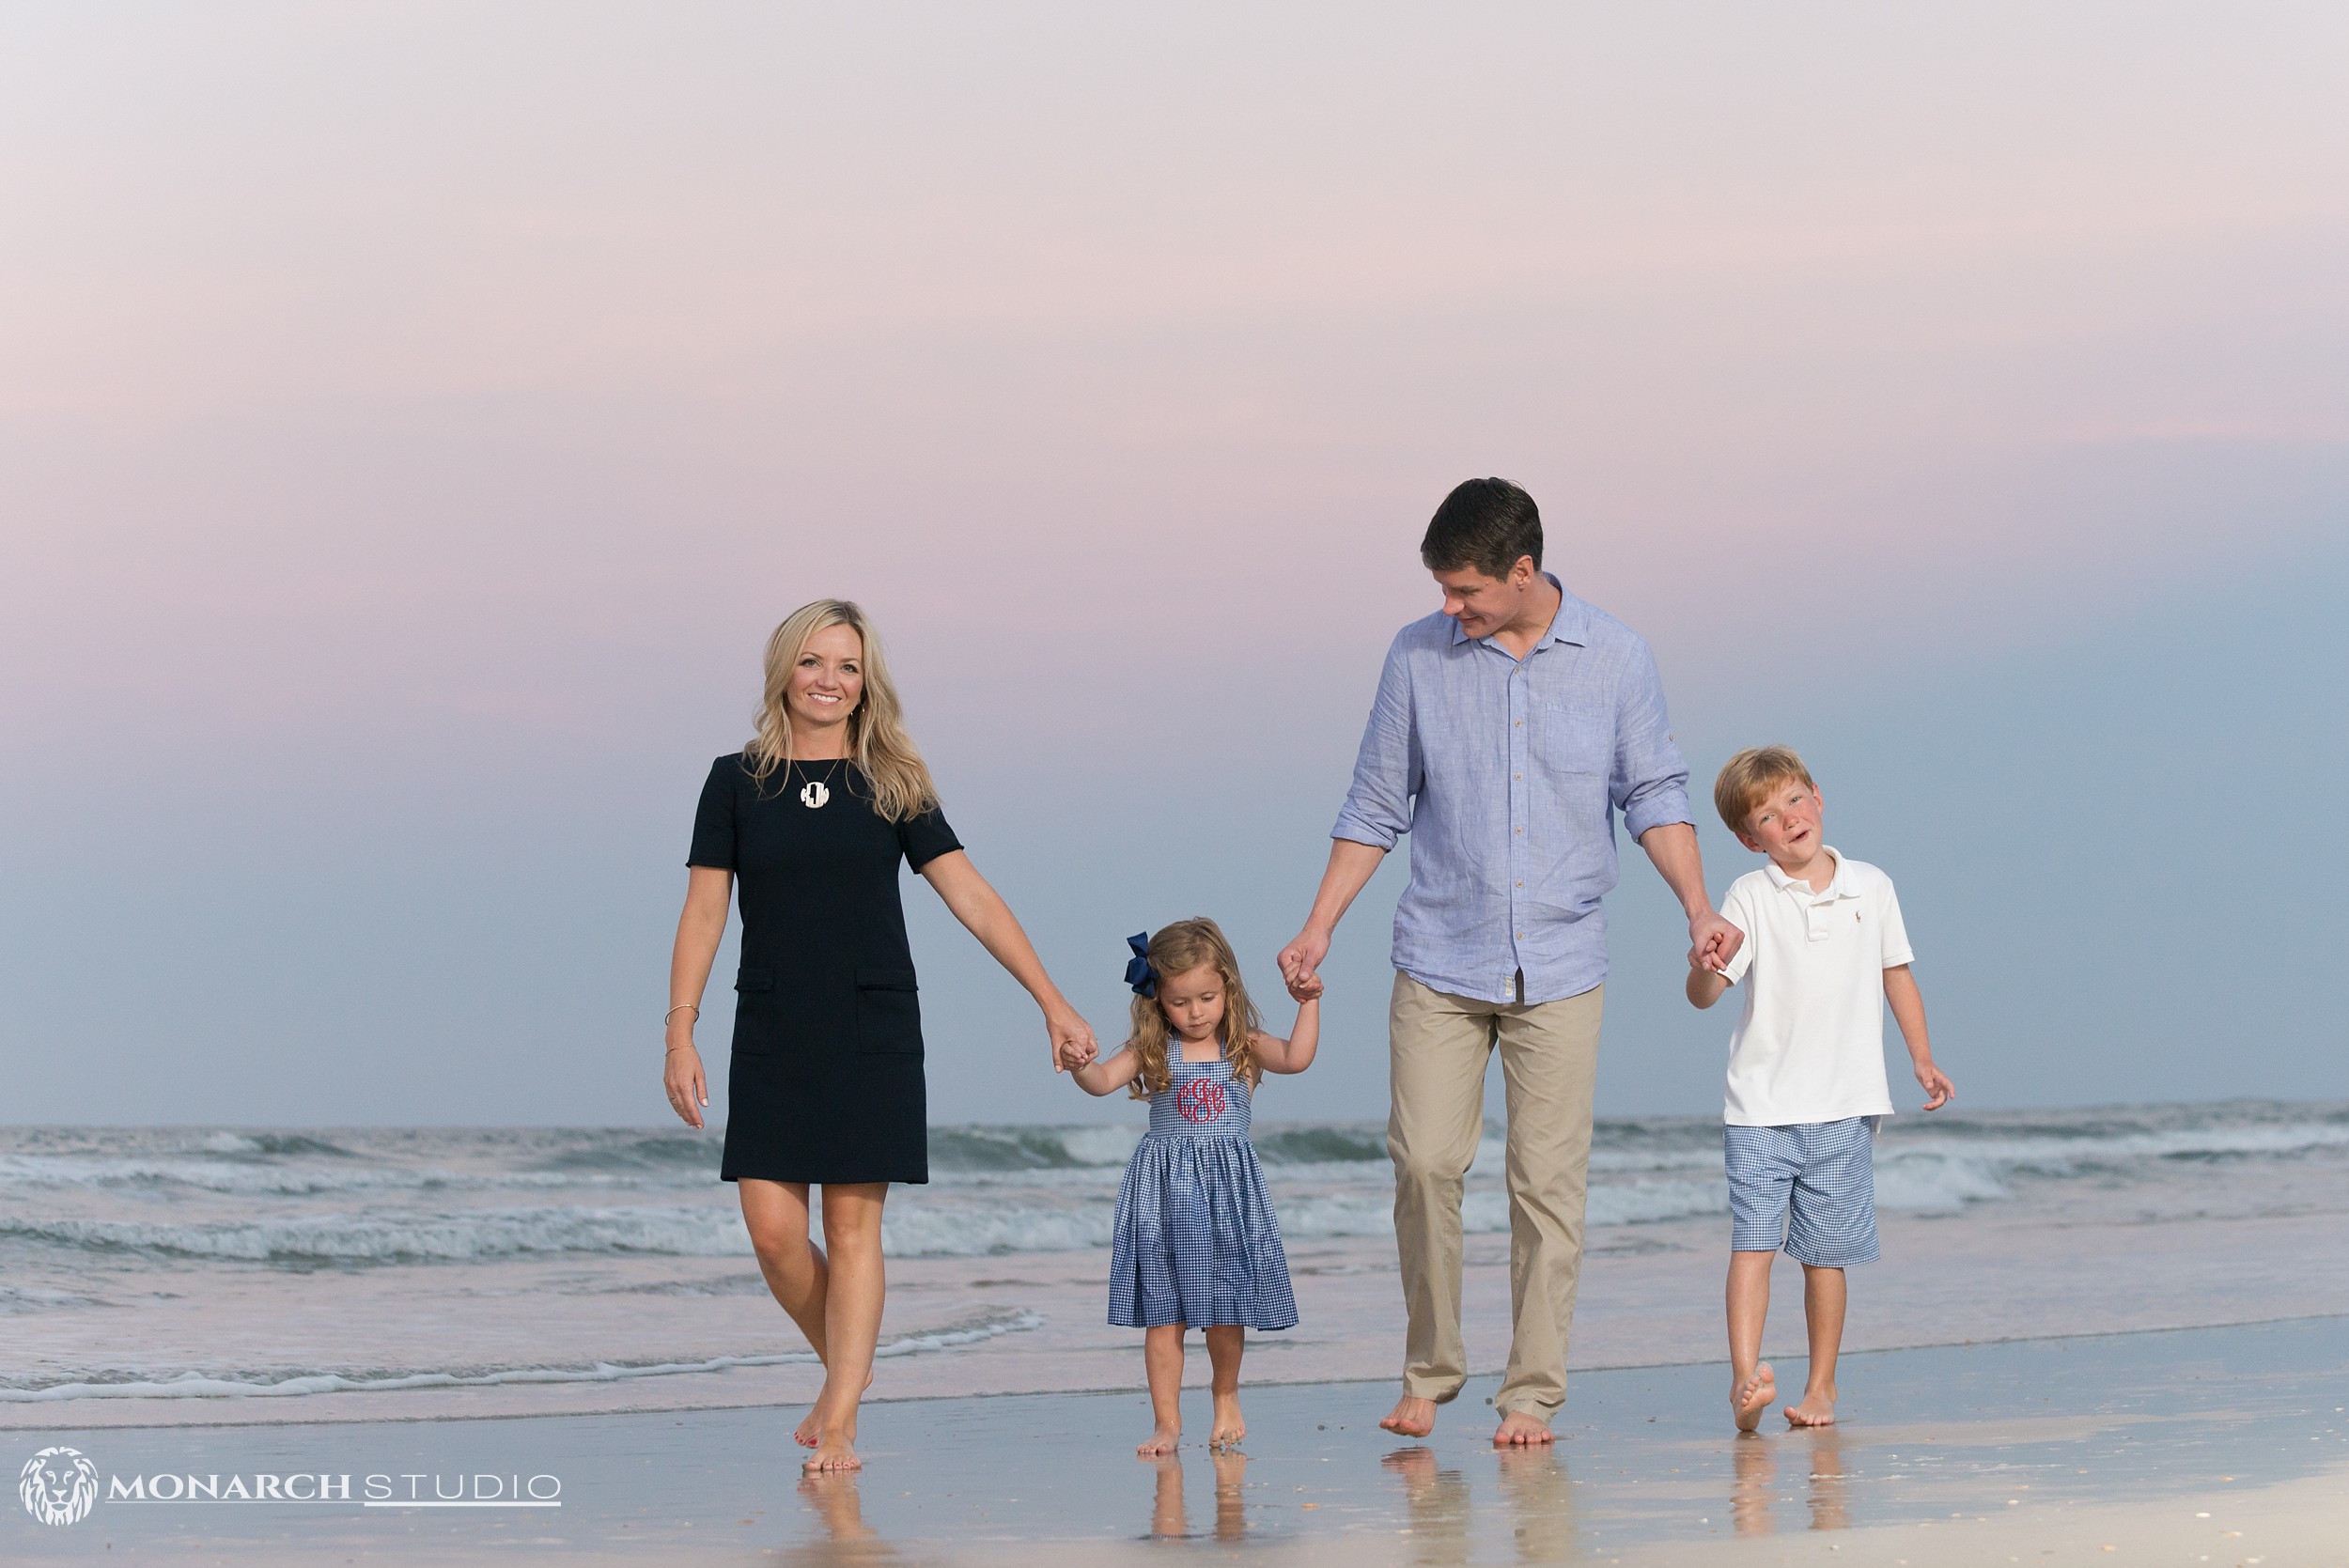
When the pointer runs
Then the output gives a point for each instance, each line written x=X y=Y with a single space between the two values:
x=1195 y=1242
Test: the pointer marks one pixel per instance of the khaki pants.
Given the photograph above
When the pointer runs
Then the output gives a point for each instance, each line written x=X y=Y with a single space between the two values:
x=1439 y=1045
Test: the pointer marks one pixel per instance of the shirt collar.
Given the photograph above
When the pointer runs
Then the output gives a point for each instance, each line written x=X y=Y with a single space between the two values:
x=1570 y=624
x=1839 y=888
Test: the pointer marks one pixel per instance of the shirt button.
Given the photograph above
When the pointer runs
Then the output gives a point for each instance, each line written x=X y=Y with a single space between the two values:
x=1521 y=724
x=1517 y=775
x=1520 y=883
x=1520 y=833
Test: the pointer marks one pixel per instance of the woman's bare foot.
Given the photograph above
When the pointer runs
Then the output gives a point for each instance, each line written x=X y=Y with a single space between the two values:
x=811 y=1431
x=1748 y=1401
x=1410 y=1418
x=1166 y=1439
x=1817 y=1409
x=832 y=1454
x=1519 y=1429
x=1228 y=1428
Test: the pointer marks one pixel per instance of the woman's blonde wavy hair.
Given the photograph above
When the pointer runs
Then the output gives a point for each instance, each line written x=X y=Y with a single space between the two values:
x=877 y=741
x=1186 y=945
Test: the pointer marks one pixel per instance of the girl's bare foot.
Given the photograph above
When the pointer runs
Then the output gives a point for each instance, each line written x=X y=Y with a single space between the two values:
x=1229 y=1428
x=1164 y=1441
x=1410 y=1418
x=1817 y=1409
x=1750 y=1399
x=832 y=1454
x=1519 y=1429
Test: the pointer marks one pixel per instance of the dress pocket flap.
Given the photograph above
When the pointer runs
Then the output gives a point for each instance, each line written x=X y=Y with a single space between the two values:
x=751 y=978
x=885 y=980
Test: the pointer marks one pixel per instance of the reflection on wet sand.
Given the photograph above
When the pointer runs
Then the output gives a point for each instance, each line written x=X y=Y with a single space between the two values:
x=847 y=1538
x=1436 y=1500
x=1830 y=1509
x=1170 y=1520
x=1541 y=1498
x=1753 y=1479
x=1437 y=1504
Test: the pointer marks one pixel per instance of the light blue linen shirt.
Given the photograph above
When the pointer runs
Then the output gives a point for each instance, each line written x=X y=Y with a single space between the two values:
x=1507 y=774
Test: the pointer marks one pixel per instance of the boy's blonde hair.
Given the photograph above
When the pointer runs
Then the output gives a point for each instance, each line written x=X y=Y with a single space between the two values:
x=1186 y=945
x=1746 y=781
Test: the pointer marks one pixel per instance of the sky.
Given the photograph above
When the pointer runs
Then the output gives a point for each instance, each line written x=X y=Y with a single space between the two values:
x=412 y=419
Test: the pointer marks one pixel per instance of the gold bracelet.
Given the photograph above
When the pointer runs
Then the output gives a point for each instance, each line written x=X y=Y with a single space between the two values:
x=680 y=1008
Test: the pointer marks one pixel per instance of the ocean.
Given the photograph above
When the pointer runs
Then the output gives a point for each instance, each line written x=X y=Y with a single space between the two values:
x=235 y=1263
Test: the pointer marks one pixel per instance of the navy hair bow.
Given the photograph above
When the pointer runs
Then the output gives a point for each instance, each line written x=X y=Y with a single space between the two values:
x=1138 y=975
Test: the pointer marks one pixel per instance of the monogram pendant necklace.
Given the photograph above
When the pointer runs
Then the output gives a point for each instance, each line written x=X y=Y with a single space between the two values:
x=813 y=793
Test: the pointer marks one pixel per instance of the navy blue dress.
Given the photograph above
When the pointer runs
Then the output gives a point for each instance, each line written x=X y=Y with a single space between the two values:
x=826 y=1081
x=1195 y=1240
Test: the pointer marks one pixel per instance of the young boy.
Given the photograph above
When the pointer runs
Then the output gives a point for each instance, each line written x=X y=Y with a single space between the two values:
x=1824 y=951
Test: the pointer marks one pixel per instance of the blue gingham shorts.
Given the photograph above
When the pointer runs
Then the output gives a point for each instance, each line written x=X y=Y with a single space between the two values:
x=1810 y=1189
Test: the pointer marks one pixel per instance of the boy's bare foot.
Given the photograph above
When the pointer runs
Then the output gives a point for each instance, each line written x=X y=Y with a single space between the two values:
x=832 y=1454
x=1164 y=1441
x=1410 y=1418
x=1753 y=1397
x=1520 y=1430
x=1229 y=1428
x=1817 y=1409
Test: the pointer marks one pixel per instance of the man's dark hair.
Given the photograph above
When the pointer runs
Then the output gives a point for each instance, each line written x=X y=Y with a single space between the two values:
x=1483 y=524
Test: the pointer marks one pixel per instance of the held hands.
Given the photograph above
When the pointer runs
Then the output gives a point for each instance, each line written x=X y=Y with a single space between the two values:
x=1300 y=964
x=1714 y=941
x=1071 y=1038
x=1936 y=1083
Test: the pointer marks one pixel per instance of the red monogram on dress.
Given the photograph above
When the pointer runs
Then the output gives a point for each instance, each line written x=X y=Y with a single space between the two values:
x=1200 y=1100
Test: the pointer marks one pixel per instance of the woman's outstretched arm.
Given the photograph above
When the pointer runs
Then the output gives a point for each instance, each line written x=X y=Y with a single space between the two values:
x=699 y=929
x=982 y=909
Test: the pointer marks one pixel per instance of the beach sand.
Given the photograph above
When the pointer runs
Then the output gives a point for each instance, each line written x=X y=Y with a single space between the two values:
x=2224 y=1444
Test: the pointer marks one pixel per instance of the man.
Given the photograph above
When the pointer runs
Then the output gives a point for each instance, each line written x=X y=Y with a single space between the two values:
x=1508 y=731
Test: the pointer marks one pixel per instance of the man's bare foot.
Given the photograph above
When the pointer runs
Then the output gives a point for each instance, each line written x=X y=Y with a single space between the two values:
x=1518 y=1429
x=1164 y=1441
x=832 y=1454
x=1228 y=1428
x=1410 y=1418
x=1817 y=1409
x=1750 y=1398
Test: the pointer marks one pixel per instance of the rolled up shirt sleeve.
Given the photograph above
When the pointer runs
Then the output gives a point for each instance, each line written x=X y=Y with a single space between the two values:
x=1649 y=783
x=1388 y=770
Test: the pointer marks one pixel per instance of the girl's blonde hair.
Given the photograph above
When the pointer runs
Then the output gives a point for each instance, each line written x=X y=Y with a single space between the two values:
x=1190 y=944
x=877 y=741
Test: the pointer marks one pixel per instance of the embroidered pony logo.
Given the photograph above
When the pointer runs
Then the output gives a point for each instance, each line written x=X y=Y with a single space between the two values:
x=1201 y=1100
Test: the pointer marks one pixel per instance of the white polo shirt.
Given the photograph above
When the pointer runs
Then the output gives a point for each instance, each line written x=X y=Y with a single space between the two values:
x=1810 y=1044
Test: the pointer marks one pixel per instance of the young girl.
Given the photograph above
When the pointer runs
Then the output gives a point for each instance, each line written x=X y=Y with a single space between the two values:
x=1196 y=1245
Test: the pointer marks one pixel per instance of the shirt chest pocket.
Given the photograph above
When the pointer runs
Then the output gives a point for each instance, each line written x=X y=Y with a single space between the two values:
x=1573 y=738
x=888 y=1013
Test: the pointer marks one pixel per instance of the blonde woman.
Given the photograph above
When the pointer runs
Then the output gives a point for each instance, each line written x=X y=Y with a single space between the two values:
x=814 y=816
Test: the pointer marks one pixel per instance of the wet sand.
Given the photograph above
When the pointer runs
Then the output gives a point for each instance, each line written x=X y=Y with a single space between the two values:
x=1650 y=1296
x=2225 y=1445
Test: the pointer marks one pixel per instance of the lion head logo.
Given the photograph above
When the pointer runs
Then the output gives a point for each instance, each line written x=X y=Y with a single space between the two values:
x=58 y=1486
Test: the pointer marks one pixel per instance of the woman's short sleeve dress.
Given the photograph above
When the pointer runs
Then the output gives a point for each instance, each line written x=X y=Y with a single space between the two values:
x=826 y=1081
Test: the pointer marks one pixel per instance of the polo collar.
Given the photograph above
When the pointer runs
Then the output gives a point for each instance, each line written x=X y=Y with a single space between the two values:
x=1571 y=625
x=1839 y=888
